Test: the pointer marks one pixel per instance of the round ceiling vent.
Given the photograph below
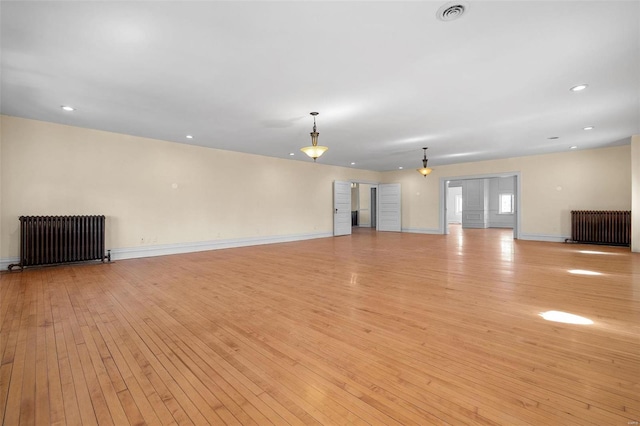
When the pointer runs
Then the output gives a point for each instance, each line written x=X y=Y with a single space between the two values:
x=451 y=11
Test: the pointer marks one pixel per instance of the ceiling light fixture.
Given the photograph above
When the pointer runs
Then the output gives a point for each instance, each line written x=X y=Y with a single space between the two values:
x=573 y=147
x=314 y=151
x=589 y=128
x=400 y=168
x=67 y=108
x=292 y=154
x=424 y=171
x=579 y=87
x=189 y=136
x=353 y=164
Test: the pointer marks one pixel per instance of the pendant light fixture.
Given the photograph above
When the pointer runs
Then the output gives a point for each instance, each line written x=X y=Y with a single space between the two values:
x=424 y=171
x=314 y=151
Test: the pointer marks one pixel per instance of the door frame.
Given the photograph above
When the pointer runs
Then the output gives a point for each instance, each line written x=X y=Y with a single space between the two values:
x=443 y=226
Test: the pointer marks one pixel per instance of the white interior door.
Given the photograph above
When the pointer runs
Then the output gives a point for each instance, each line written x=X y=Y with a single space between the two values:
x=389 y=202
x=341 y=208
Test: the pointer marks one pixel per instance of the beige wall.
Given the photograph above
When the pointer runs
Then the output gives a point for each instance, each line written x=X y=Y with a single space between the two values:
x=635 y=198
x=552 y=185
x=51 y=169
x=54 y=169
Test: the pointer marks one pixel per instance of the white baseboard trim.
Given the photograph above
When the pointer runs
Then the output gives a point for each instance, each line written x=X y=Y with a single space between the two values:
x=422 y=230
x=4 y=263
x=166 y=249
x=544 y=237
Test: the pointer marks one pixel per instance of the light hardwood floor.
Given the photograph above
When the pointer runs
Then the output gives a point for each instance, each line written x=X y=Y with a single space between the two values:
x=374 y=328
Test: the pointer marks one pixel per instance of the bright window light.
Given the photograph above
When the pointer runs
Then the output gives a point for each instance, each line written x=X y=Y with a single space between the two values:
x=505 y=203
x=564 y=317
x=583 y=272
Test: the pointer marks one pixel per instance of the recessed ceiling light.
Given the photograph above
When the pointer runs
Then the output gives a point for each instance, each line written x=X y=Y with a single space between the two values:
x=292 y=154
x=553 y=137
x=589 y=128
x=401 y=167
x=67 y=108
x=189 y=136
x=579 y=87
x=353 y=164
x=573 y=147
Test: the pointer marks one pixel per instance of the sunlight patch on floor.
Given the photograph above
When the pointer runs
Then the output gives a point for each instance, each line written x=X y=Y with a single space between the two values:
x=564 y=317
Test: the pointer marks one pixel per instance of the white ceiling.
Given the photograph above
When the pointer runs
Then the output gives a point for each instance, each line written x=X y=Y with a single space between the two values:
x=387 y=77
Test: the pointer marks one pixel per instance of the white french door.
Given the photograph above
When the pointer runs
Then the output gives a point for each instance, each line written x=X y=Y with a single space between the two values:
x=389 y=203
x=341 y=208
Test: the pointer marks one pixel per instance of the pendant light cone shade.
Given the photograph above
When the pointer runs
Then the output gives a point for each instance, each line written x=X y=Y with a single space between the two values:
x=314 y=151
x=424 y=171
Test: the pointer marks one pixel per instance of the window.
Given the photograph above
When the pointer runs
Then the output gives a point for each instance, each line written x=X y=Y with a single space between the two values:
x=506 y=204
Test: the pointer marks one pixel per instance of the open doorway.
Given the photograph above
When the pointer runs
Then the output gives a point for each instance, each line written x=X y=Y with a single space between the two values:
x=483 y=201
x=364 y=205
x=353 y=206
x=374 y=207
x=454 y=203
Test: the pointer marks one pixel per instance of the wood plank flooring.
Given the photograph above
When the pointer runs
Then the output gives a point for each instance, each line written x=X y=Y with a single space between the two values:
x=373 y=328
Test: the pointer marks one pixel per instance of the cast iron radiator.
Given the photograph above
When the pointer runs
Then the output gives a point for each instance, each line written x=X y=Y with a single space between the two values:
x=47 y=240
x=601 y=227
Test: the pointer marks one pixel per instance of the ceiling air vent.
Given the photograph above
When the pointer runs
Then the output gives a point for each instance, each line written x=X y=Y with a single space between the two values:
x=451 y=11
